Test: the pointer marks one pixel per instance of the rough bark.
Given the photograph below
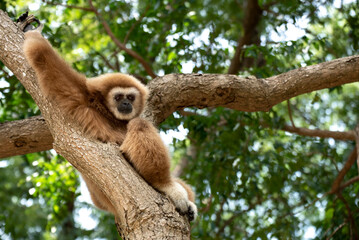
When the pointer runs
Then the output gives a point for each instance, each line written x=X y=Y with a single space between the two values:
x=24 y=136
x=142 y=213
x=173 y=92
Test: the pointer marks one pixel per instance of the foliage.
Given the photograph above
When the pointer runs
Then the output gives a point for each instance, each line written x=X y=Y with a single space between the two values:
x=253 y=180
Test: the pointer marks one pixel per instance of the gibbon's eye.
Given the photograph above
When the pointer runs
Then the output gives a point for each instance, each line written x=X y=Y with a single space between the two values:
x=118 y=97
x=131 y=97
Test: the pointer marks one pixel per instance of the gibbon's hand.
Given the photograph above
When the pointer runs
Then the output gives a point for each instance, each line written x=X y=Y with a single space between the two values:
x=138 y=124
x=25 y=23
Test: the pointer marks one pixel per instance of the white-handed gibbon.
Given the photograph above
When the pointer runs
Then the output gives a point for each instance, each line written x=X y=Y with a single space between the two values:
x=107 y=108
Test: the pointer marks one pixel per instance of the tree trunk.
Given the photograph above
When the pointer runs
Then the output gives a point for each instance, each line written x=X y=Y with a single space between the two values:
x=142 y=212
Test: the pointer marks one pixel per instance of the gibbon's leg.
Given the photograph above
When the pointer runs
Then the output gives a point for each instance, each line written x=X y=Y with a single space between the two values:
x=98 y=198
x=149 y=156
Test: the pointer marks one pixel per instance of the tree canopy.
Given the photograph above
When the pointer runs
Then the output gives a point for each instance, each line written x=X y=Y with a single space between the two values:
x=287 y=173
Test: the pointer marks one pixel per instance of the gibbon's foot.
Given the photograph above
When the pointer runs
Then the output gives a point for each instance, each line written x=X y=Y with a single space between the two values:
x=190 y=210
x=25 y=23
x=179 y=197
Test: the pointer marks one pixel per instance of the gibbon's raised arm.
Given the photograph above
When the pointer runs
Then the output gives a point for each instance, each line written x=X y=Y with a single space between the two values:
x=59 y=82
x=56 y=78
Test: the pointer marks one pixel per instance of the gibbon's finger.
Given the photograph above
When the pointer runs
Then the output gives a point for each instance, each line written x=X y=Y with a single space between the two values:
x=25 y=23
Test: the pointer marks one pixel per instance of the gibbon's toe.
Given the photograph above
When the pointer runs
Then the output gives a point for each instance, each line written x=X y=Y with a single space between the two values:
x=181 y=206
x=187 y=208
x=192 y=211
x=190 y=214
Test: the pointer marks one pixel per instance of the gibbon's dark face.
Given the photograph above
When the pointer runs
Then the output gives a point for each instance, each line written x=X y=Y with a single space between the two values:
x=124 y=103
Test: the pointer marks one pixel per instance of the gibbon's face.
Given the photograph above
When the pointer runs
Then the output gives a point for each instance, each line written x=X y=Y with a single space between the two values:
x=124 y=103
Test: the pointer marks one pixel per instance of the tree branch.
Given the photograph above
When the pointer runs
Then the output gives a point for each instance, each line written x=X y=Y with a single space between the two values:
x=345 y=136
x=244 y=94
x=24 y=136
x=350 y=216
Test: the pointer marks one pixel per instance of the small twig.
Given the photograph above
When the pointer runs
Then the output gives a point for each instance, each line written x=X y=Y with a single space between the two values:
x=344 y=185
x=345 y=136
x=311 y=204
x=350 y=216
x=357 y=143
x=349 y=182
x=337 y=182
x=208 y=205
x=70 y=6
x=134 y=25
x=336 y=230
x=290 y=113
x=107 y=62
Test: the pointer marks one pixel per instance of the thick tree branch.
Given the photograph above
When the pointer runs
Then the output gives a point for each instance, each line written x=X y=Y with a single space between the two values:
x=244 y=94
x=24 y=136
x=40 y=134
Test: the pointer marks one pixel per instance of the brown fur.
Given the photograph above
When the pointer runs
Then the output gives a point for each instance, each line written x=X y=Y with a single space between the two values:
x=85 y=100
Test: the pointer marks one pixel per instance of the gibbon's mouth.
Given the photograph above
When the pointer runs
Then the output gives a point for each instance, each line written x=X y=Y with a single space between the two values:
x=125 y=108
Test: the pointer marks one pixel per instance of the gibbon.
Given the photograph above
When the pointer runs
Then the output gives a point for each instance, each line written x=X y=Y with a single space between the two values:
x=107 y=108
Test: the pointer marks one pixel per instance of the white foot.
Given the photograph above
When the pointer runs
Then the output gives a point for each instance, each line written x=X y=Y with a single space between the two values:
x=179 y=197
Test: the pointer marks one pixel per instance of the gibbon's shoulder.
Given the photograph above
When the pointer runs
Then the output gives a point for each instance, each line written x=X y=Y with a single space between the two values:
x=104 y=83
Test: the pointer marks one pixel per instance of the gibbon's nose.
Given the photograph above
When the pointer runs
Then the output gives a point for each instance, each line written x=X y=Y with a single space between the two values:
x=125 y=107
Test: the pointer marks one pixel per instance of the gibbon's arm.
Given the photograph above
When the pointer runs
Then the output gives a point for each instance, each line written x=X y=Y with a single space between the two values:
x=146 y=151
x=65 y=86
x=56 y=78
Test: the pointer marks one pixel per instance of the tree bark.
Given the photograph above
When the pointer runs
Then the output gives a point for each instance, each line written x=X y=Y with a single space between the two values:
x=24 y=136
x=142 y=212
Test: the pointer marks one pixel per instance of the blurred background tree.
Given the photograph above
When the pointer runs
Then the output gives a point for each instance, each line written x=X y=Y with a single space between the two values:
x=255 y=175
